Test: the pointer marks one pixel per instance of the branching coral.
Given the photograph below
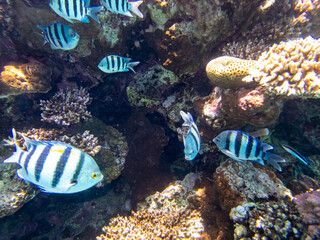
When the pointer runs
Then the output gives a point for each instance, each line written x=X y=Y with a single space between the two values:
x=292 y=68
x=66 y=107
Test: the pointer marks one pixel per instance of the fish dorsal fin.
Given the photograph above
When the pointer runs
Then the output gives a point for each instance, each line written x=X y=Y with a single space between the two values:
x=187 y=118
x=266 y=147
x=86 y=3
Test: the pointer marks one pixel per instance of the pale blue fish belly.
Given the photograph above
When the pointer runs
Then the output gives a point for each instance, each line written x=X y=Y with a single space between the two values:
x=75 y=10
x=192 y=140
x=241 y=146
x=60 y=36
x=56 y=167
x=115 y=63
x=123 y=7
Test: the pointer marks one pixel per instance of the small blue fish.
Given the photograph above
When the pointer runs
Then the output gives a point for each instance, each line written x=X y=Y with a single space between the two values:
x=55 y=167
x=75 y=9
x=241 y=146
x=115 y=63
x=123 y=7
x=60 y=36
x=192 y=140
x=295 y=153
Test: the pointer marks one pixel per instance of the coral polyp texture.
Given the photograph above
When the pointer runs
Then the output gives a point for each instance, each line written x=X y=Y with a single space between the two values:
x=164 y=216
x=67 y=107
x=292 y=68
x=230 y=72
x=33 y=77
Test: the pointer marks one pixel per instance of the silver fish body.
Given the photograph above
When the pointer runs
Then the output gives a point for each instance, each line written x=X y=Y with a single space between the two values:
x=241 y=146
x=192 y=140
x=75 y=10
x=115 y=63
x=60 y=36
x=55 y=167
x=123 y=7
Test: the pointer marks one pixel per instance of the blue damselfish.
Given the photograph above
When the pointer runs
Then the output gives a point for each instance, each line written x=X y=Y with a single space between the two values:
x=241 y=146
x=192 y=140
x=55 y=167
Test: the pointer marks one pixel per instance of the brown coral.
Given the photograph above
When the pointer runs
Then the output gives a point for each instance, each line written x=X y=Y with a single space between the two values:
x=33 y=77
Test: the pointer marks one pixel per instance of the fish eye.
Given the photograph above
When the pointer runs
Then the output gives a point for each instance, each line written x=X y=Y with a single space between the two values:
x=94 y=175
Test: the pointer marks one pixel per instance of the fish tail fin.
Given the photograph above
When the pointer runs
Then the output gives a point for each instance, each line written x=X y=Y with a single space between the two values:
x=187 y=118
x=42 y=34
x=131 y=65
x=93 y=12
x=274 y=159
x=14 y=158
x=134 y=8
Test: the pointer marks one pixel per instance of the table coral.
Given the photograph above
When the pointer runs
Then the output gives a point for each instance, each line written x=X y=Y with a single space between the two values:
x=230 y=72
x=32 y=77
x=291 y=68
x=66 y=107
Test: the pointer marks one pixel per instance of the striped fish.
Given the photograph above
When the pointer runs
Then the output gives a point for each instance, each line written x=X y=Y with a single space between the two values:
x=241 y=146
x=295 y=153
x=75 y=9
x=192 y=140
x=55 y=167
x=60 y=36
x=123 y=7
x=115 y=63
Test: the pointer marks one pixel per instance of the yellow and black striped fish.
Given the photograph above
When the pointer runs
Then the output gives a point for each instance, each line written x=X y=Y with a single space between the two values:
x=55 y=167
x=241 y=146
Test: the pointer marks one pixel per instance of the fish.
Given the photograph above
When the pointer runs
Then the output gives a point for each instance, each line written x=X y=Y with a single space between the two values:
x=55 y=167
x=295 y=153
x=75 y=10
x=115 y=63
x=241 y=146
x=60 y=36
x=123 y=7
x=192 y=139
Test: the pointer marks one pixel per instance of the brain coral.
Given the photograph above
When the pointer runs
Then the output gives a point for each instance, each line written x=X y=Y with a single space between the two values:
x=292 y=68
x=230 y=72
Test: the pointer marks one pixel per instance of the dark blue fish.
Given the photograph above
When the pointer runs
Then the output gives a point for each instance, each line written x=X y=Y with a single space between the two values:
x=241 y=146
x=295 y=153
x=60 y=36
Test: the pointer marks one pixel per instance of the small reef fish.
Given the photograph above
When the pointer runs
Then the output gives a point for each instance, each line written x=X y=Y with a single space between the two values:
x=241 y=146
x=295 y=153
x=123 y=7
x=60 y=36
x=55 y=167
x=192 y=140
x=75 y=9
x=115 y=63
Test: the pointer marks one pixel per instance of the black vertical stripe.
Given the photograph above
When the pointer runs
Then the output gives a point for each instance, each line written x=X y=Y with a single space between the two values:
x=50 y=36
x=249 y=146
x=59 y=3
x=112 y=62
x=228 y=140
x=124 y=5
x=40 y=162
x=67 y=7
x=75 y=10
x=57 y=35
x=63 y=33
x=258 y=149
x=81 y=8
x=58 y=172
x=26 y=162
x=237 y=144
x=119 y=63
x=109 y=1
x=78 y=168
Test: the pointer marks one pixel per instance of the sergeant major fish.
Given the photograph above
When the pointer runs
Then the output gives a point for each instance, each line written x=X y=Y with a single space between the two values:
x=55 y=167
x=115 y=63
x=192 y=140
x=60 y=36
x=123 y=7
x=75 y=9
x=241 y=146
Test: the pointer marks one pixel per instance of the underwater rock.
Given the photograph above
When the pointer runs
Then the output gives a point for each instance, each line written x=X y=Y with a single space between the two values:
x=238 y=182
x=32 y=77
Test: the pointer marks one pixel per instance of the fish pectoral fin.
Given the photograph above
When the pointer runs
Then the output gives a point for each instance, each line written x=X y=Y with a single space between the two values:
x=23 y=174
x=230 y=154
x=66 y=187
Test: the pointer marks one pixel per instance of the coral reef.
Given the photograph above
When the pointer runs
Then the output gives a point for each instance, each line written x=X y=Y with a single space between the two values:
x=291 y=68
x=66 y=107
x=32 y=77
x=308 y=205
x=230 y=72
